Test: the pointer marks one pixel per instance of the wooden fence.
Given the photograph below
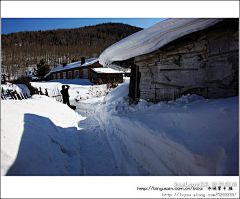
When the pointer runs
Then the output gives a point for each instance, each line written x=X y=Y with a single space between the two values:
x=14 y=95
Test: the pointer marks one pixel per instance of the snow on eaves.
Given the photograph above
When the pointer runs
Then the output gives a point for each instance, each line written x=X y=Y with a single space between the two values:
x=153 y=38
x=73 y=65
x=106 y=70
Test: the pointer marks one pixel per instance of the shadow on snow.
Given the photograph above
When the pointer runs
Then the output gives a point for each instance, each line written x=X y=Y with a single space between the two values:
x=46 y=149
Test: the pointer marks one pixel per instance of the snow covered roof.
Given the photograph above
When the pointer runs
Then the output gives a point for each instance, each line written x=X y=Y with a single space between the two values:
x=106 y=70
x=152 y=38
x=88 y=62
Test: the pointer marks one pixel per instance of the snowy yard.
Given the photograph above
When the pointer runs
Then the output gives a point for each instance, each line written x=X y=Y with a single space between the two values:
x=107 y=136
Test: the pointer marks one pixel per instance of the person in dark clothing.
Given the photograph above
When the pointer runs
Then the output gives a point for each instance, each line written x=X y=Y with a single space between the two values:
x=65 y=94
x=46 y=92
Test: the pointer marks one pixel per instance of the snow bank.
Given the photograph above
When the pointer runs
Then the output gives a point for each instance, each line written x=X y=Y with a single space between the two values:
x=72 y=81
x=39 y=137
x=20 y=88
x=151 y=39
x=79 y=88
x=189 y=136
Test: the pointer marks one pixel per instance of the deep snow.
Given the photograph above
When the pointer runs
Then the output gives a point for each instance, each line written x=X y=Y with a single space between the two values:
x=38 y=139
x=107 y=136
x=189 y=136
x=152 y=38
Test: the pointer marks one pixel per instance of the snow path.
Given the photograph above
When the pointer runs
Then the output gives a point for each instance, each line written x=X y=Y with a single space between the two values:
x=49 y=138
x=98 y=156
x=189 y=136
x=95 y=153
x=107 y=136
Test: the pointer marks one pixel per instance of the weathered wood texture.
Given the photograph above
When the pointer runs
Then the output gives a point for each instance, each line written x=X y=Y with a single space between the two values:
x=205 y=63
x=106 y=77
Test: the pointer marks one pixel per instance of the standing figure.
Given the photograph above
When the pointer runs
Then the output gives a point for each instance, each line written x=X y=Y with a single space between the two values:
x=40 y=91
x=65 y=94
x=46 y=92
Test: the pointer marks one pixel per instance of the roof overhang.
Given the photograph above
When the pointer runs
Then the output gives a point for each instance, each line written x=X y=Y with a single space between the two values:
x=152 y=38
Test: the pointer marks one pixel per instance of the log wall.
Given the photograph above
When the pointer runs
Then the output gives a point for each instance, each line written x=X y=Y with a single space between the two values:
x=205 y=63
x=80 y=72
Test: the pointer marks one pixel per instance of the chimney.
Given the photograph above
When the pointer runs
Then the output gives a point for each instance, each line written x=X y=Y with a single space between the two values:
x=82 y=60
x=64 y=64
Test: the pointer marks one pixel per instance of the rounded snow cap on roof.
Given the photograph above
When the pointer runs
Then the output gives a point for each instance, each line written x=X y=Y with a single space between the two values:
x=153 y=38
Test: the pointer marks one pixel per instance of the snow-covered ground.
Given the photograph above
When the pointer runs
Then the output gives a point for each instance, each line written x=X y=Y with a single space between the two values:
x=107 y=136
x=189 y=136
x=79 y=88
x=38 y=137
x=19 y=88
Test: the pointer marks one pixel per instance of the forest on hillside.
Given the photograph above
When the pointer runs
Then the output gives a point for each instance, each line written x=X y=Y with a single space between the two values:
x=25 y=49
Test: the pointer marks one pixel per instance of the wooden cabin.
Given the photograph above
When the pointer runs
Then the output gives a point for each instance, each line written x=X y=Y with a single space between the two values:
x=81 y=69
x=204 y=62
x=106 y=75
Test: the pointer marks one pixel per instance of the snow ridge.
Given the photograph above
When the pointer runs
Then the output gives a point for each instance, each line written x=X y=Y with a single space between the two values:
x=172 y=138
x=107 y=136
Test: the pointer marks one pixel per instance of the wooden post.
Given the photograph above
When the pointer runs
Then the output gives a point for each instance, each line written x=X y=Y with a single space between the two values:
x=18 y=96
x=13 y=96
x=25 y=95
x=134 y=92
x=46 y=92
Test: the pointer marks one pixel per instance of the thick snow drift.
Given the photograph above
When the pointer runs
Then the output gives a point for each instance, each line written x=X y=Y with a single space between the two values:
x=39 y=137
x=189 y=136
x=107 y=136
x=152 y=38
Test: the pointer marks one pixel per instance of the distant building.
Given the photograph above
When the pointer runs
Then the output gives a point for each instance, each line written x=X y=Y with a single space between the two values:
x=180 y=56
x=80 y=69
x=106 y=75
x=85 y=69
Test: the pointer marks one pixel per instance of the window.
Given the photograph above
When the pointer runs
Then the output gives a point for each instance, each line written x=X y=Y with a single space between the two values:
x=54 y=76
x=69 y=74
x=64 y=75
x=85 y=73
x=58 y=75
x=76 y=74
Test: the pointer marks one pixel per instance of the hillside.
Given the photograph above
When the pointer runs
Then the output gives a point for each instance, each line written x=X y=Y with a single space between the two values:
x=23 y=49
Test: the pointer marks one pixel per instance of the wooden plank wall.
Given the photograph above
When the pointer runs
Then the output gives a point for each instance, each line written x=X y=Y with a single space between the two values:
x=205 y=63
x=80 y=68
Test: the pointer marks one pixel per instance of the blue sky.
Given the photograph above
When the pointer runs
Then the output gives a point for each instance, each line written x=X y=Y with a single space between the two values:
x=10 y=25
